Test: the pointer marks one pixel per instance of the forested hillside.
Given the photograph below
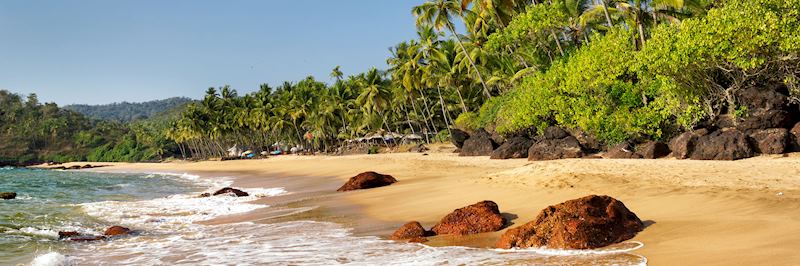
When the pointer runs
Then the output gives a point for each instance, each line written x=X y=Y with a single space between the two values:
x=32 y=132
x=126 y=112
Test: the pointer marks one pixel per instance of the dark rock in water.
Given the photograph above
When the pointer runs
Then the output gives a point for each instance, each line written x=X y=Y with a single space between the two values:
x=74 y=167
x=8 y=195
x=514 y=148
x=233 y=191
x=480 y=217
x=554 y=132
x=622 y=151
x=117 y=231
x=367 y=180
x=67 y=234
x=480 y=143
x=764 y=119
x=204 y=195
x=584 y=223
x=770 y=141
x=418 y=148
x=727 y=145
x=458 y=136
x=412 y=231
x=683 y=144
x=87 y=238
x=652 y=150
x=554 y=149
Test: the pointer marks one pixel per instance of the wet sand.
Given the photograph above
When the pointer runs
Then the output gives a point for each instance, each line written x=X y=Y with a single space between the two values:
x=698 y=212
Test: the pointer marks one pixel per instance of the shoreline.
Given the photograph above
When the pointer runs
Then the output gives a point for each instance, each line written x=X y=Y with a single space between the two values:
x=698 y=212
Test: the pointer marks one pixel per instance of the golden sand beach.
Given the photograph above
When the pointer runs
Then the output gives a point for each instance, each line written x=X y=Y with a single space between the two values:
x=742 y=212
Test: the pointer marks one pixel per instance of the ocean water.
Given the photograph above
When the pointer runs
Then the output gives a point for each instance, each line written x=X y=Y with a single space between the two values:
x=166 y=214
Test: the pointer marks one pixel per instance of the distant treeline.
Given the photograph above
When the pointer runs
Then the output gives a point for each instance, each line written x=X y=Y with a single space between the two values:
x=126 y=112
x=32 y=132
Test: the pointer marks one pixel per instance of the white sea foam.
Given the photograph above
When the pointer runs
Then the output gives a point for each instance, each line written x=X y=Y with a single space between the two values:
x=171 y=236
x=47 y=233
x=50 y=259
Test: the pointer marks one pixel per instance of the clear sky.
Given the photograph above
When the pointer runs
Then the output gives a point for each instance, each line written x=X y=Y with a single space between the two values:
x=101 y=51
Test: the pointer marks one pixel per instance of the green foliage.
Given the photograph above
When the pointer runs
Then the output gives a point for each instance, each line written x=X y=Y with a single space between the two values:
x=125 y=112
x=373 y=150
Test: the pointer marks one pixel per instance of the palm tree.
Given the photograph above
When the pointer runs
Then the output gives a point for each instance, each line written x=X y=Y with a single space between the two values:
x=337 y=74
x=438 y=13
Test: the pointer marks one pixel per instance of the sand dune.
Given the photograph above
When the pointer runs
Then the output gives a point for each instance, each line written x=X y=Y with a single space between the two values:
x=698 y=212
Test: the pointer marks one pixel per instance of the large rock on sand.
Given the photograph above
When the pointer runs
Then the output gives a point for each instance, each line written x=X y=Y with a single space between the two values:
x=652 y=150
x=117 y=231
x=584 y=223
x=622 y=151
x=513 y=148
x=8 y=195
x=412 y=232
x=480 y=217
x=683 y=144
x=479 y=143
x=231 y=191
x=554 y=149
x=367 y=180
x=770 y=141
x=728 y=144
x=764 y=119
x=458 y=137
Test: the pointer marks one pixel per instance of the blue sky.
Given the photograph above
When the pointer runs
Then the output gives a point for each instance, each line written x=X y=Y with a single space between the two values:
x=98 y=51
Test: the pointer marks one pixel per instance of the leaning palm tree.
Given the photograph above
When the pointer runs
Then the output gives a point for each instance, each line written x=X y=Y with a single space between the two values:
x=438 y=14
x=336 y=73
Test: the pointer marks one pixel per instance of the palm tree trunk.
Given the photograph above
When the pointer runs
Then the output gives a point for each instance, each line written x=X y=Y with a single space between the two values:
x=471 y=62
x=463 y=104
x=605 y=11
x=641 y=32
x=444 y=113
x=558 y=43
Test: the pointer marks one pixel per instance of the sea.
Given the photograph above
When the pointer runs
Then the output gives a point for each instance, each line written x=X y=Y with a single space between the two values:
x=168 y=218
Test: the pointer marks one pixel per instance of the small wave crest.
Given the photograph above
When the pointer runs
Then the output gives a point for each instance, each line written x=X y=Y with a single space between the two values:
x=50 y=259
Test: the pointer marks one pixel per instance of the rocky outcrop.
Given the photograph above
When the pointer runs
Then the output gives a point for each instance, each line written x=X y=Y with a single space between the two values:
x=584 y=223
x=683 y=144
x=652 y=150
x=458 y=137
x=411 y=232
x=587 y=141
x=764 y=119
x=231 y=191
x=795 y=137
x=480 y=143
x=117 y=231
x=480 y=217
x=554 y=149
x=728 y=144
x=622 y=151
x=8 y=195
x=367 y=180
x=771 y=141
x=554 y=132
x=513 y=148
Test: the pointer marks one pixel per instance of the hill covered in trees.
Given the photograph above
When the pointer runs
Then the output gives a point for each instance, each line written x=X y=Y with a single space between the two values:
x=126 y=112
x=32 y=132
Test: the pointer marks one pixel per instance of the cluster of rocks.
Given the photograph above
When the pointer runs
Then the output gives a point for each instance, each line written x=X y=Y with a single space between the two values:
x=75 y=167
x=584 y=223
x=477 y=218
x=113 y=231
x=555 y=143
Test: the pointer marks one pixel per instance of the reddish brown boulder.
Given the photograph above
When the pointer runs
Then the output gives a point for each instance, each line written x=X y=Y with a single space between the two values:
x=584 y=223
x=480 y=217
x=116 y=231
x=683 y=144
x=412 y=231
x=232 y=191
x=479 y=143
x=770 y=141
x=554 y=149
x=652 y=150
x=728 y=144
x=367 y=180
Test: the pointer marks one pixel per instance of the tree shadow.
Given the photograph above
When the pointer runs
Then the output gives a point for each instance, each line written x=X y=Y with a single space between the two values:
x=510 y=217
x=648 y=223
